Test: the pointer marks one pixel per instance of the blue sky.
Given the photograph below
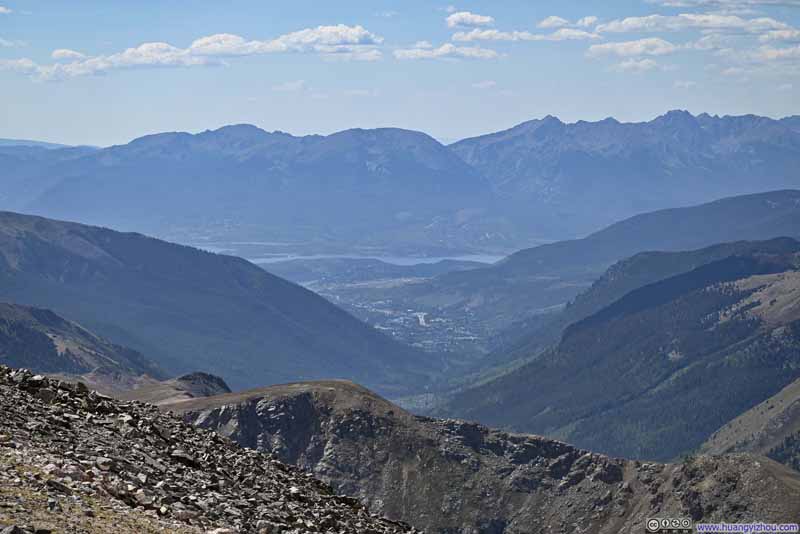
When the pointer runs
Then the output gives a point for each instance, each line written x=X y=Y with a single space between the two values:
x=104 y=72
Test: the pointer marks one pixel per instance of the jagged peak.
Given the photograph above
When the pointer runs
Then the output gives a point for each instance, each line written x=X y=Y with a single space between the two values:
x=676 y=116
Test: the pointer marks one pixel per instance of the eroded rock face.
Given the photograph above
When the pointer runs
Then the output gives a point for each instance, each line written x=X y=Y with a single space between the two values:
x=448 y=476
x=71 y=457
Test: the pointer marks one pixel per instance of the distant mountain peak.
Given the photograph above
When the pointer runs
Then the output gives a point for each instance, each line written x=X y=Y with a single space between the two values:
x=678 y=113
x=676 y=117
x=385 y=132
x=238 y=130
x=156 y=139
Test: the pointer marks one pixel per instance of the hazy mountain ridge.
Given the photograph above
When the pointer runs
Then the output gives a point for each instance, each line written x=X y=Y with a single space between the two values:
x=674 y=159
x=394 y=189
x=632 y=378
x=40 y=340
x=189 y=309
x=29 y=142
x=374 y=183
x=620 y=279
x=29 y=171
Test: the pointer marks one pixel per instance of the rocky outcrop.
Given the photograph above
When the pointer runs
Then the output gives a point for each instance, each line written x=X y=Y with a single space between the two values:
x=72 y=460
x=190 y=386
x=449 y=476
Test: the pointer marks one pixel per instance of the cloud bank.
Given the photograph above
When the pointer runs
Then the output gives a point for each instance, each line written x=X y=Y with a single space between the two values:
x=339 y=41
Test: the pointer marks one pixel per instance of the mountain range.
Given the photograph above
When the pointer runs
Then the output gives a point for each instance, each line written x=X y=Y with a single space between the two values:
x=673 y=160
x=401 y=190
x=28 y=142
x=633 y=378
x=188 y=309
x=372 y=182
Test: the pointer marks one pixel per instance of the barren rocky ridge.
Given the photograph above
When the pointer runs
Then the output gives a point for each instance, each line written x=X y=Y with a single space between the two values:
x=449 y=476
x=72 y=460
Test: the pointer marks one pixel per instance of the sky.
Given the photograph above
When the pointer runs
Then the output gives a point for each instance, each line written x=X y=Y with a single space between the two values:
x=104 y=72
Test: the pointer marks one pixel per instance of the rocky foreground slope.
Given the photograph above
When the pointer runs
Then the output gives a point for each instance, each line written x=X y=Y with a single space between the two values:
x=446 y=476
x=74 y=461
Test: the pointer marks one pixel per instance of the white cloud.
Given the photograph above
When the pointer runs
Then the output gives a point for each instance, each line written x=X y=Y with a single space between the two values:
x=687 y=21
x=485 y=84
x=734 y=71
x=567 y=34
x=23 y=66
x=652 y=46
x=636 y=65
x=564 y=34
x=446 y=51
x=322 y=39
x=4 y=43
x=726 y=5
x=5 y=11
x=64 y=53
x=768 y=53
x=684 y=84
x=351 y=54
x=713 y=41
x=465 y=18
x=781 y=35
x=145 y=55
x=553 y=22
x=290 y=87
x=335 y=42
x=785 y=87
x=586 y=22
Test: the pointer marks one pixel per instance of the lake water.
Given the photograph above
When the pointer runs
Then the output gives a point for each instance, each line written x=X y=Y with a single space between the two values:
x=249 y=251
x=395 y=260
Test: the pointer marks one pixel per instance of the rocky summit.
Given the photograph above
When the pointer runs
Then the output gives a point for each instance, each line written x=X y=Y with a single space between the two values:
x=75 y=461
x=454 y=477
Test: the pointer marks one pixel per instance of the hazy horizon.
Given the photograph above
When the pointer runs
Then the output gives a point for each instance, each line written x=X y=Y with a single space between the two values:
x=442 y=140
